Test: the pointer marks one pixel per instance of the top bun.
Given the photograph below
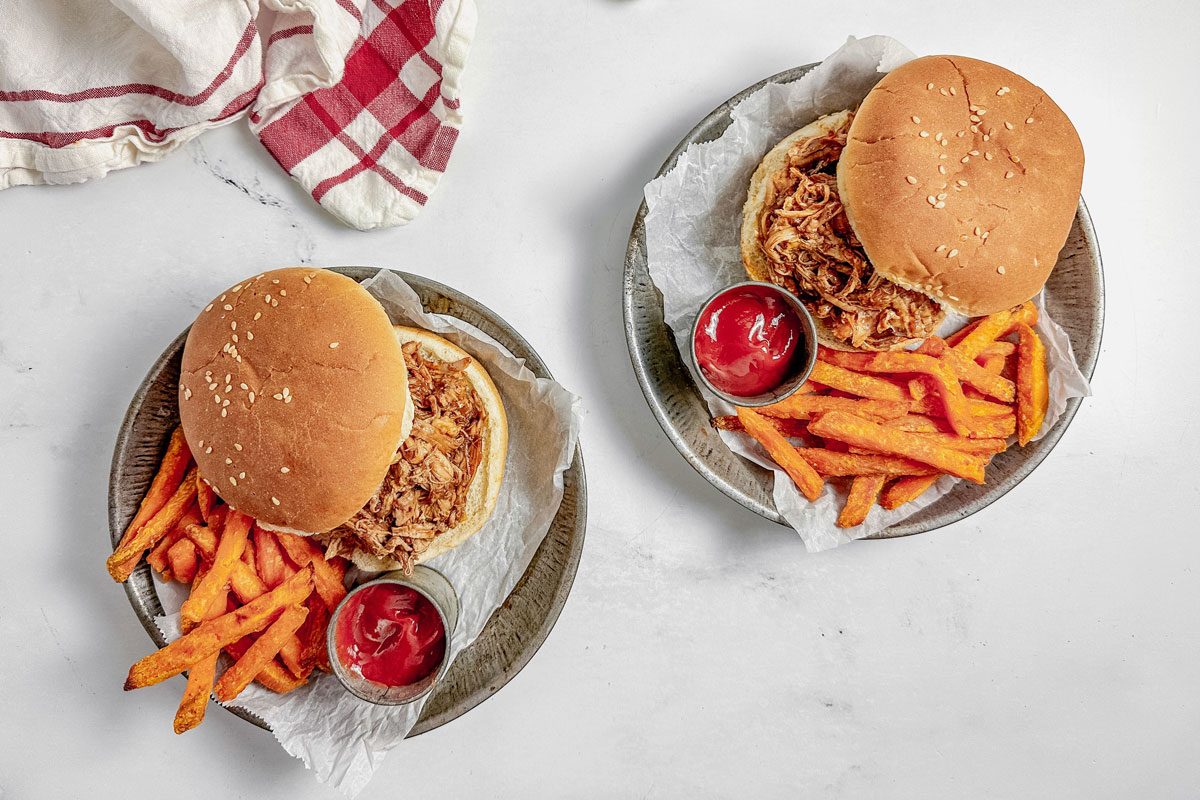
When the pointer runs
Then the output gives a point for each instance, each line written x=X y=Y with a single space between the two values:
x=293 y=397
x=961 y=180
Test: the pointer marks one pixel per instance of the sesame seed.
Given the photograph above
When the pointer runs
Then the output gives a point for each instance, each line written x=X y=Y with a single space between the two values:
x=227 y=307
x=224 y=403
x=961 y=134
x=924 y=134
x=228 y=389
x=974 y=152
x=972 y=107
x=1000 y=270
x=952 y=92
x=982 y=111
x=257 y=316
x=228 y=461
x=233 y=480
x=986 y=137
x=224 y=412
x=233 y=325
x=939 y=291
x=228 y=376
x=928 y=86
x=287 y=399
x=952 y=253
x=187 y=393
x=208 y=307
x=237 y=447
x=985 y=235
x=916 y=120
x=277 y=396
x=1029 y=120
x=275 y=500
x=274 y=304
x=974 y=129
x=1009 y=174
x=208 y=449
x=249 y=336
x=237 y=288
x=1008 y=125
x=243 y=386
x=283 y=292
x=988 y=156
x=284 y=470
x=943 y=155
x=252 y=397
x=940 y=204
x=1014 y=159
x=965 y=159
x=931 y=199
x=975 y=118
x=942 y=168
x=235 y=338
x=241 y=476
x=267 y=299
x=223 y=297
x=941 y=196
x=217 y=398
x=201 y=443
x=977 y=230
x=275 y=280
x=940 y=248
x=1000 y=92
x=334 y=345
x=942 y=92
x=961 y=182
x=308 y=278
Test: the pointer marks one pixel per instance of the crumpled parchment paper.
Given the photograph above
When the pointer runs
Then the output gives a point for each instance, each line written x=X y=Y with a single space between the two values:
x=693 y=221
x=343 y=739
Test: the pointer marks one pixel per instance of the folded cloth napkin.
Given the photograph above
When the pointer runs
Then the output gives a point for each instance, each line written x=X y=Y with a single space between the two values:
x=358 y=100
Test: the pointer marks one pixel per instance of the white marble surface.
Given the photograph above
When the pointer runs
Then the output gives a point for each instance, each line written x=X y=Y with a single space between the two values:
x=1045 y=647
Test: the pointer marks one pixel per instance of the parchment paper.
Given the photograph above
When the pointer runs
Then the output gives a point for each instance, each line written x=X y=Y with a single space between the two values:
x=693 y=221
x=343 y=739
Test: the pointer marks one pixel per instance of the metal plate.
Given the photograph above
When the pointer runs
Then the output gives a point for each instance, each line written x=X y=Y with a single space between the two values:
x=1074 y=298
x=515 y=631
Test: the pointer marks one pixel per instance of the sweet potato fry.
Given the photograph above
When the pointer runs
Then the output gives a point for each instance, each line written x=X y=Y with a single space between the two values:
x=997 y=349
x=205 y=539
x=791 y=428
x=248 y=553
x=304 y=550
x=995 y=326
x=833 y=464
x=889 y=441
x=262 y=652
x=313 y=652
x=914 y=422
x=994 y=427
x=962 y=333
x=210 y=636
x=857 y=384
x=935 y=373
x=800 y=471
x=269 y=558
x=905 y=490
x=992 y=363
x=976 y=408
x=1033 y=387
x=164 y=484
x=807 y=406
x=979 y=447
x=157 y=557
x=183 y=559
x=206 y=498
x=245 y=583
x=208 y=589
x=122 y=562
x=200 y=680
x=864 y=491
x=917 y=389
x=273 y=676
x=970 y=373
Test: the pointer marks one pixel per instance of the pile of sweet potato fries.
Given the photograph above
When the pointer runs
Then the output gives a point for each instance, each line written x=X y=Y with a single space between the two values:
x=263 y=597
x=894 y=422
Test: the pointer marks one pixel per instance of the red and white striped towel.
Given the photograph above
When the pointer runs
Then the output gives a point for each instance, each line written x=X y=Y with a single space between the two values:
x=358 y=100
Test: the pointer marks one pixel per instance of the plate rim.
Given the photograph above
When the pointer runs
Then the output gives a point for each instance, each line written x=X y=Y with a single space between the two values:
x=636 y=249
x=570 y=567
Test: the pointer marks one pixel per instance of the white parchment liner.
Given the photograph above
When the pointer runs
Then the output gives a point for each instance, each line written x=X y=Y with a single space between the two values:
x=693 y=222
x=343 y=739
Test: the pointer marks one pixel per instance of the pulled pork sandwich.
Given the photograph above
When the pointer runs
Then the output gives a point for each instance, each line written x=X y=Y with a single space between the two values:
x=952 y=187
x=306 y=409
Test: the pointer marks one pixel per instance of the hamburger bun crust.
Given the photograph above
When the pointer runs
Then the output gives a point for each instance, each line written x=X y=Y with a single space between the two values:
x=485 y=486
x=753 y=259
x=293 y=396
x=1013 y=167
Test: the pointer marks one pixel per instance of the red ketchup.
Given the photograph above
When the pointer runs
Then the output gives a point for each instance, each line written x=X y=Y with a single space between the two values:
x=390 y=634
x=749 y=341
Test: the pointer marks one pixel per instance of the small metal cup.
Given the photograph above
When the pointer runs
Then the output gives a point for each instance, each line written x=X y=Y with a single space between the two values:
x=432 y=585
x=793 y=382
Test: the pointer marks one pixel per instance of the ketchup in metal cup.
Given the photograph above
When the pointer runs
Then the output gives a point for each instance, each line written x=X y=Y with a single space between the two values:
x=748 y=341
x=390 y=634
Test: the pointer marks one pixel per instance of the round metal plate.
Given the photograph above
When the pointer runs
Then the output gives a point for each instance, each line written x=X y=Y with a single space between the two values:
x=1074 y=298
x=515 y=631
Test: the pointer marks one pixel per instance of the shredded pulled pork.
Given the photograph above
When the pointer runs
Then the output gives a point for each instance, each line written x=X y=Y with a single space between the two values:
x=425 y=491
x=813 y=252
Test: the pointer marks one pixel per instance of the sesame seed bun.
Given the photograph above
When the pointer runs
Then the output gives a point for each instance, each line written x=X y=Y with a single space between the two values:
x=485 y=486
x=293 y=397
x=984 y=233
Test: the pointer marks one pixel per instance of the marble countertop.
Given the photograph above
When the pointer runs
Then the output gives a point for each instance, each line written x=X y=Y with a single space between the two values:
x=1047 y=646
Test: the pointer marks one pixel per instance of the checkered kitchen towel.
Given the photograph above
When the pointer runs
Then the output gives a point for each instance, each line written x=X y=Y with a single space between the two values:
x=358 y=100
